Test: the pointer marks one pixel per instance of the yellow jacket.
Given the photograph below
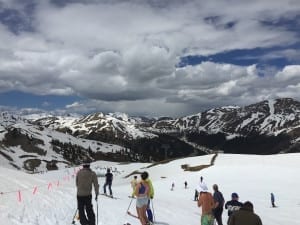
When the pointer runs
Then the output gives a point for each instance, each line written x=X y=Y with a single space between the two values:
x=151 y=189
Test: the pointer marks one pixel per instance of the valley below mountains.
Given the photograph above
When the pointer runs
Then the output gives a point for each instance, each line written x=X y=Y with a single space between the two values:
x=41 y=142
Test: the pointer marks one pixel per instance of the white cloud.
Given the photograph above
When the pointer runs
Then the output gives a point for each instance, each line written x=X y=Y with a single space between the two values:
x=290 y=75
x=124 y=52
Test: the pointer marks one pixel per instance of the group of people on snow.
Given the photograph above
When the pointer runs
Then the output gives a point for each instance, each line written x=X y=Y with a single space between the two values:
x=86 y=179
x=143 y=191
x=211 y=204
x=212 y=208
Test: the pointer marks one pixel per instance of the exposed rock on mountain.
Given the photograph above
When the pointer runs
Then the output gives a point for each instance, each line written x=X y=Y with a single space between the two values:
x=267 y=127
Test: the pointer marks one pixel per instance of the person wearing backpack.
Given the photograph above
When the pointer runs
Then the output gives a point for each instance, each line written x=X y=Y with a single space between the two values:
x=233 y=205
x=245 y=216
x=142 y=198
x=219 y=203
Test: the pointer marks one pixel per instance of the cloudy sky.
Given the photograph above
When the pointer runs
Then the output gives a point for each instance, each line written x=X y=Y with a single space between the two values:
x=150 y=57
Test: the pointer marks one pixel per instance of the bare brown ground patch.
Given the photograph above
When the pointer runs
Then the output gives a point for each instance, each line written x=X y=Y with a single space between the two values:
x=185 y=167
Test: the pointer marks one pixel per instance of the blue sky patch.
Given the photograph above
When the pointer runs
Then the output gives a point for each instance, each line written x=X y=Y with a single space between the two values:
x=46 y=102
x=246 y=57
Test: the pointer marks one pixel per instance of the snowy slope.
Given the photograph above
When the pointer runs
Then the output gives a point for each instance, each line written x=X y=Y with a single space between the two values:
x=119 y=124
x=16 y=156
x=252 y=177
x=270 y=117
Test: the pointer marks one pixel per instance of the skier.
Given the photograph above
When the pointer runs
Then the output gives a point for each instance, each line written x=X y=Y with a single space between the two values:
x=151 y=196
x=185 y=184
x=245 y=216
x=233 y=205
x=142 y=198
x=202 y=185
x=219 y=203
x=196 y=195
x=173 y=186
x=85 y=179
x=206 y=201
x=108 y=182
x=133 y=185
x=273 y=200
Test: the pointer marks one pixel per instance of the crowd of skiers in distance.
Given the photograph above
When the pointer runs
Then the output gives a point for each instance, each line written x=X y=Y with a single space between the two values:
x=142 y=190
x=212 y=207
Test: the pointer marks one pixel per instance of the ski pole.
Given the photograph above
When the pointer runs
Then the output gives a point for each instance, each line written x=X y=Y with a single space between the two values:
x=129 y=205
x=73 y=221
x=127 y=212
x=153 y=210
x=97 y=210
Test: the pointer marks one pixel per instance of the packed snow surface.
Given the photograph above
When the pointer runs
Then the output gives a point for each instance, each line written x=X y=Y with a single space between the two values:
x=50 y=198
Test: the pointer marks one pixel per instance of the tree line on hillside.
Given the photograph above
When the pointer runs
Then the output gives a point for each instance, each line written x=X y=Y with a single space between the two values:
x=254 y=143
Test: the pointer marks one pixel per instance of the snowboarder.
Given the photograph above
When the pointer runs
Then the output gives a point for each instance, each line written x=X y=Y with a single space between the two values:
x=85 y=179
x=219 y=203
x=234 y=204
x=108 y=182
x=273 y=200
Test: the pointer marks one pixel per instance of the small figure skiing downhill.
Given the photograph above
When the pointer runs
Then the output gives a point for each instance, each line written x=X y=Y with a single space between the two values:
x=273 y=200
x=172 y=186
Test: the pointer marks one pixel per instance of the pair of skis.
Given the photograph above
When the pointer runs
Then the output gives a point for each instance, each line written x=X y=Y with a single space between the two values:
x=134 y=216
x=109 y=196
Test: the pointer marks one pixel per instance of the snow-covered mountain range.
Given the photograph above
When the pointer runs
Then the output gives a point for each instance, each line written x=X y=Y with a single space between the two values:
x=267 y=117
x=44 y=140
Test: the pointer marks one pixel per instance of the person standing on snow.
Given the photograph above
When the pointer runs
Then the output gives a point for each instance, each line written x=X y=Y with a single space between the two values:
x=206 y=201
x=196 y=195
x=85 y=179
x=219 y=203
x=173 y=186
x=273 y=200
x=142 y=198
x=245 y=216
x=233 y=205
x=108 y=182
x=151 y=196
x=133 y=184
x=202 y=184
